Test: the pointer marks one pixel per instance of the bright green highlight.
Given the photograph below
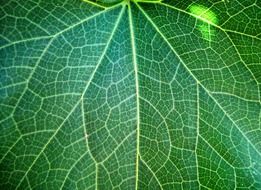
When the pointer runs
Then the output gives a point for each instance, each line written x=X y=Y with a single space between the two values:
x=206 y=31
x=204 y=13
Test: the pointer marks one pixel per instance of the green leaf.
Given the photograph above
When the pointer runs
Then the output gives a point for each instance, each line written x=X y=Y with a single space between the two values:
x=135 y=95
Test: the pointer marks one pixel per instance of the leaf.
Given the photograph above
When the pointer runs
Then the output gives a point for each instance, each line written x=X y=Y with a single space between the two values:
x=134 y=95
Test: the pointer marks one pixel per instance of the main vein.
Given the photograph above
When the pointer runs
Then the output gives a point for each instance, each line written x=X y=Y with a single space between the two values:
x=137 y=94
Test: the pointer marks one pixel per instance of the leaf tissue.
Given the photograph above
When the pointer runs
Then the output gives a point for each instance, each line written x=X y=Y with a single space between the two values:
x=130 y=94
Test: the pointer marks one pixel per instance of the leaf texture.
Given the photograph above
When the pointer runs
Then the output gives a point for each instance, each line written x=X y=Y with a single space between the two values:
x=136 y=95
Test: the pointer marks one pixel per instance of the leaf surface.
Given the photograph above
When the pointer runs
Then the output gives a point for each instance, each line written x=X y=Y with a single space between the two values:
x=134 y=95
